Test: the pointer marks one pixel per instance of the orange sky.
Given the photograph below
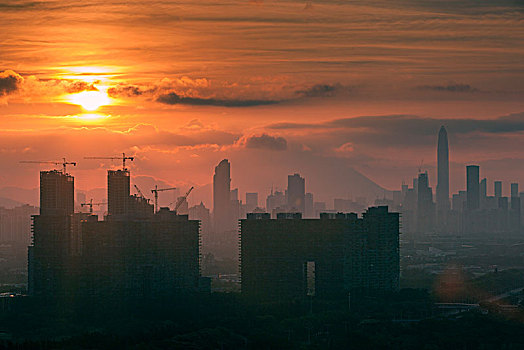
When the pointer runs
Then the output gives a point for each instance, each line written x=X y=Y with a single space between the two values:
x=278 y=87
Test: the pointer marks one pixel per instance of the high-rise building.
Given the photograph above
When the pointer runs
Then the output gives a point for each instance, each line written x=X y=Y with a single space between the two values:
x=275 y=201
x=251 y=201
x=309 y=212
x=514 y=190
x=118 y=192
x=442 y=173
x=148 y=258
x=296 y=191
x=222 y=217
x=497 y=189
x=483 y=188
x=50 y=256
x=425 y=205
x=201 y=213
x=473 y=187
x=57 y=193
x=515 y=217
x=290 y=258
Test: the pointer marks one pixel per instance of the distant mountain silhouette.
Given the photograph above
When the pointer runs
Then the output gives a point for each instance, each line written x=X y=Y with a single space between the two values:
x=21 y=195
x=9 y=203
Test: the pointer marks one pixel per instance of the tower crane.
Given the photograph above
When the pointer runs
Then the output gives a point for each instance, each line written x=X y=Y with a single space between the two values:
x=123 y=158
x=182 y=199
x=64 y=163
x=90 y=205
x=155 y=192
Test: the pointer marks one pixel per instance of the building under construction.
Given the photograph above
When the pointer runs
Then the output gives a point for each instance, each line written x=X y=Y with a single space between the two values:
x=50 y=258
x=289 y=258
x=134 y=252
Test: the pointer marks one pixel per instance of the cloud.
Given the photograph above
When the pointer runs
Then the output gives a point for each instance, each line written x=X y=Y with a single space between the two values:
x=175 y=99
x=452 y=87
x=129 y=90
x=33 y=87
x=347 y=147
x=414 y=125
x=9 y=82
x=323 y=90
x=76 y=86
x=265 y=141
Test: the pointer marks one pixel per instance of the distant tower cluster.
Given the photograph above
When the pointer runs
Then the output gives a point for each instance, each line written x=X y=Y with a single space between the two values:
x=472 y=212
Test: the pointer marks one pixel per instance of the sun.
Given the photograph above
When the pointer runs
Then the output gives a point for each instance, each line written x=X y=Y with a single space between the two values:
x=90 y=100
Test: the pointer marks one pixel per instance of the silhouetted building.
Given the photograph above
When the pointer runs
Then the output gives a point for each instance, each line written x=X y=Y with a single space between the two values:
x=50 y=256
x=483 y=192
x=296 y=191
x=442 y=174
x=251 y=201
x=497 y=189
x=275 y=200
x=319 y=207
x=152 y=258
x=57 y=193
x=473 y=187
x=15 y=225
x=290 y=258
x=201 y=213
x=425 y=205
x=118 y=192
x=222 y=216
x=515 y=217
x=309 y=212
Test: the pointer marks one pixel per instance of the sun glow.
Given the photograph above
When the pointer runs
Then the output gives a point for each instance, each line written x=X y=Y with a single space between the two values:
x=90 y=100
x=92 y=117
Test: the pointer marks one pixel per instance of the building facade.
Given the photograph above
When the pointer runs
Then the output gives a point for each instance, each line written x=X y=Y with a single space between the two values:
x=290 y=257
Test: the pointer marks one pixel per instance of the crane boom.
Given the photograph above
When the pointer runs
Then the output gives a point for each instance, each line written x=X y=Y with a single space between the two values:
x=123 y=158
x=181 y=199
x=139 y=192
x=64 y=163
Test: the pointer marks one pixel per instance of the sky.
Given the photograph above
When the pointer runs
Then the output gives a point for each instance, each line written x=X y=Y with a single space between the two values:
x=330 y=89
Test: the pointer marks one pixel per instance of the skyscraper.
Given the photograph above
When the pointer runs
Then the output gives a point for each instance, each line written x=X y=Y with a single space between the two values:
x=222 y=197
x=498 y=189
x=118 y=192
x=56 y=193
x=443 y=173
x=251 y=201
x=296 y=191
x=50 y=254
x=425 y=205
x=473 y=187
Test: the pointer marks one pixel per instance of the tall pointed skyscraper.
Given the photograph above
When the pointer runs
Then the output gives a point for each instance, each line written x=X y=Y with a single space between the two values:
x=222 y=197
x=443 y=174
